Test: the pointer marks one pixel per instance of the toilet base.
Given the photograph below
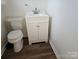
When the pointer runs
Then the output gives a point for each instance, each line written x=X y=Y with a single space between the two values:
x=18 y=45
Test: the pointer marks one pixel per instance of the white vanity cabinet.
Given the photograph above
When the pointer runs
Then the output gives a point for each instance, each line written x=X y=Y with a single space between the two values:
x=37 y=28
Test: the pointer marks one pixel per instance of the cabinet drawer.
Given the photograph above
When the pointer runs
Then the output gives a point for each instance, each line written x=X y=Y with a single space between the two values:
x=37 y=19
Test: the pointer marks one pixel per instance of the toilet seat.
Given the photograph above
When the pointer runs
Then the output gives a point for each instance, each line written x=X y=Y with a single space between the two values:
x=14 y=36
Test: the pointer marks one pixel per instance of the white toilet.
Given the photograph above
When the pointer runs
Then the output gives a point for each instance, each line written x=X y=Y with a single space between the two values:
x=16 y=35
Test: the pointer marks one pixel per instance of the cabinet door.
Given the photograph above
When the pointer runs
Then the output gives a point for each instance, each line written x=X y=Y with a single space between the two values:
x=43 y=32
x=32 y=32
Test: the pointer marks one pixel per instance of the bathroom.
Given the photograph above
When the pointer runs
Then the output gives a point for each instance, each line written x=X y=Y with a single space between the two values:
x=58 y=24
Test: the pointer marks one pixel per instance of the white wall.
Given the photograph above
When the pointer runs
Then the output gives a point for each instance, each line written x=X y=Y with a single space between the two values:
x=18 y=8
x=64 y=27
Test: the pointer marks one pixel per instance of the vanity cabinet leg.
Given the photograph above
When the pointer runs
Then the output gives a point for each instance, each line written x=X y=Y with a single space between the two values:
x=46 y=41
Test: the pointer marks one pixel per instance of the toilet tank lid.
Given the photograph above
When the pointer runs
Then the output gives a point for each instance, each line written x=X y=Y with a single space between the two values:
x=14 y=19
x=15 y=34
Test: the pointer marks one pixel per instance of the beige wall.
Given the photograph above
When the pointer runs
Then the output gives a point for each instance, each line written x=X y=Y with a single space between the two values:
x=3 y=28
x=9 y=28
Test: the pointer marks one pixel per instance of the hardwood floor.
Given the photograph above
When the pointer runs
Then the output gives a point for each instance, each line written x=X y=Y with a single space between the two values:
x=34 y=51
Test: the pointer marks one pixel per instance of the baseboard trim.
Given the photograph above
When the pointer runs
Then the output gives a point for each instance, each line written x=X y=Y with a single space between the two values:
x=69 y=56
x=54 y=49
x=3 y=48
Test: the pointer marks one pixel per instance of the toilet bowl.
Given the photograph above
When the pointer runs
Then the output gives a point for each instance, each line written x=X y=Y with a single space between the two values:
x=15 y=37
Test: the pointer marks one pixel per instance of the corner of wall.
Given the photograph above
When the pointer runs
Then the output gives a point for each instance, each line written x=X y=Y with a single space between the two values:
x=3 y=49
x=54 y=49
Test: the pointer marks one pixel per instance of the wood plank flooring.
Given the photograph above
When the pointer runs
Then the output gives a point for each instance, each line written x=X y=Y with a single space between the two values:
x=34 y=51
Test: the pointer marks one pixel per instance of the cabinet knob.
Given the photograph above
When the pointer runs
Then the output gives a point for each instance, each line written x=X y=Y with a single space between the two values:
x=38 y=26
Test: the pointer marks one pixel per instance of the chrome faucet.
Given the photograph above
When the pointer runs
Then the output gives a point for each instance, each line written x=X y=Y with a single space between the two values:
x=36 y=11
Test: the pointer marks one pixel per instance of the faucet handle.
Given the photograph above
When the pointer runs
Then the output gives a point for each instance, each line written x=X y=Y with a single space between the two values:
x=35 y=11
x=35 y=8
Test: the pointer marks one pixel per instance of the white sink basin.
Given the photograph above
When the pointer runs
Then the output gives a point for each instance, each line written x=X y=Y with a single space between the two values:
x=31 y=14
x=36 y=18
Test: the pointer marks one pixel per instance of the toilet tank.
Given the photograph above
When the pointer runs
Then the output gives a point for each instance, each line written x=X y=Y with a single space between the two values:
x=16 y=23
